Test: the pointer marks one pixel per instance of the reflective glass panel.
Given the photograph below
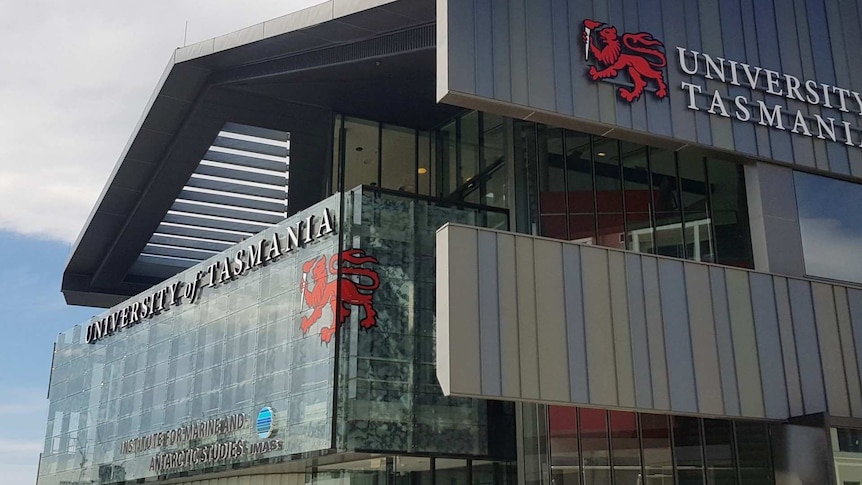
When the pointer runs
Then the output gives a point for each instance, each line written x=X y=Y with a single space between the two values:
x=625 y=443
x=563 y=429
x=398 y=159
x=579 y=187
x=361 y=153
x=552 y=183
x=831 y=225
x=687 y=451
x=753 y=450
x=666 y=201
x=595 y=446
x=718 y=438
x=658 y=462
x=638 y=198
x=495 y=177
x=450 y=472
x=609 y=194
x=694 y=198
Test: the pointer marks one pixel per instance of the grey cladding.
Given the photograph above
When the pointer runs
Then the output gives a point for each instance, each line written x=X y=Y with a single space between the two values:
x=529 y=55
x=540 y=320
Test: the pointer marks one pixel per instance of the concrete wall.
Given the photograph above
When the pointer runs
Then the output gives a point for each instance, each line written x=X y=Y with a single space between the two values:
x=532 y=319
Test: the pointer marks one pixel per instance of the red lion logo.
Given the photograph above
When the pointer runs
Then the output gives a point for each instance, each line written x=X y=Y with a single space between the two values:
x=326 y=292
x=641 y=68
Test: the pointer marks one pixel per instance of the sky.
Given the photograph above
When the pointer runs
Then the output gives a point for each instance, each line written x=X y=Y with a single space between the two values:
x=74 y=79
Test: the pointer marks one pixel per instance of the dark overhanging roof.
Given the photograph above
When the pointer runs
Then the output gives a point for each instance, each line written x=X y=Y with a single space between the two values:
x=328 y=54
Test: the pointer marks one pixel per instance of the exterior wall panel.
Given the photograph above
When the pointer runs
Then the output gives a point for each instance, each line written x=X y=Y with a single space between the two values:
x=541 y=58
x=605 y=327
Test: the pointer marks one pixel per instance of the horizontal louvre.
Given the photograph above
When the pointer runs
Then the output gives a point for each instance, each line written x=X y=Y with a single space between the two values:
x=209 y=210
x=238 y=190
x=233 y=201
x=178 y=252
x=168 y=240
x=246 y=161
x=215 y=223
x=251 y=146
x=235 y=188
x=244 y=175
x=256 y=131
x=201 y=233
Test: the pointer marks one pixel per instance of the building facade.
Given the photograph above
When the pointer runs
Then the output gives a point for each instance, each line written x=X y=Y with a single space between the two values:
x=539 y=242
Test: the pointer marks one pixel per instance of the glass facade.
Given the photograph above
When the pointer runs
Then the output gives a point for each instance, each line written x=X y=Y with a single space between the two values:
x=831 y=226
x=235 y=350
x=599 y=447
x=389 y=397
x=462 y=161
x=612 y=193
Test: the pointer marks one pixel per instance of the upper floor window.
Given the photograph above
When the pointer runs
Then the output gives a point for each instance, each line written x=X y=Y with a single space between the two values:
x=831 y=225
x=613 y=193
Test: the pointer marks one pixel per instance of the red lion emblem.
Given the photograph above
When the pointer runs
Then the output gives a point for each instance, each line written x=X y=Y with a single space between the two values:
x=644 y=60
x=326 y=292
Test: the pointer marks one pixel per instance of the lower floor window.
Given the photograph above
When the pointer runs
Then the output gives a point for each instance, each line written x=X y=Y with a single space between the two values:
x=598 y=447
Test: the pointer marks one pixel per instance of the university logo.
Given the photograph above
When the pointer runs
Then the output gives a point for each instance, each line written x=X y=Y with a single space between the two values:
x=325 y=292
x=264 y=424
x=640 y=54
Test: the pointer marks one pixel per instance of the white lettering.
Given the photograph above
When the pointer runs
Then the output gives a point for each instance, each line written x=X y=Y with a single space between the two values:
x=691 y=89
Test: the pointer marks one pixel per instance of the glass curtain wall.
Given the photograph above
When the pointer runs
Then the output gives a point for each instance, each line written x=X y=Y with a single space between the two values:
x=596 y=190
x=598 y=447
x=461 y=162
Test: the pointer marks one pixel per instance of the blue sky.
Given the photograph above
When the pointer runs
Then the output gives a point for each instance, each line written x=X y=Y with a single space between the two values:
x=34 y=313
x=74 y=80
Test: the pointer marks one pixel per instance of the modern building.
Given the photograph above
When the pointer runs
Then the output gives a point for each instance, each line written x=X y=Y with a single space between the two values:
x=422 y=242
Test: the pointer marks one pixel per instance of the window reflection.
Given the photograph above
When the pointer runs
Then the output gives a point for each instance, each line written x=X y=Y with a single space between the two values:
x=831 y=226
x=596 y=190
x=593 y=446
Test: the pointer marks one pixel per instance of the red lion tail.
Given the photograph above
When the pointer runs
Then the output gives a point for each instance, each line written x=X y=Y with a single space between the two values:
x=635 y=41
x=357 y=257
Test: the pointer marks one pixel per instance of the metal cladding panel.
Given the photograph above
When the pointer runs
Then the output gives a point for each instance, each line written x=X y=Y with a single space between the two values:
x=538 y=320
x=531 y=56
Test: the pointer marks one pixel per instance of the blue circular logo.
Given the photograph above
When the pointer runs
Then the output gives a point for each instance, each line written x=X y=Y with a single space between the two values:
x=264 y=425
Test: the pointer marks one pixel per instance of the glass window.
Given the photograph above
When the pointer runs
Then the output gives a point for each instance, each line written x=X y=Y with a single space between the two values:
x=729 y=213
x=666 y=201
x=398 y=159
x=450 y=472
x=596 y=450
x=425 y=170
x=579 y=186
x=448 y=155
x=850 y=440
x=687 y=451
x=752 y=448
x=609 y=193
x=552 y=183
x=831 y=226
x=495 y=191
x=638 y=198
x=565 y=463
x=361 y=153
x=658 y=463
x=625 y=443
x=694 y=199
x=718 y=438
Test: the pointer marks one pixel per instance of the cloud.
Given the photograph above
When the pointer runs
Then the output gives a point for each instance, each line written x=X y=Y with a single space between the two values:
x=831 y=249
x=74 y=79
